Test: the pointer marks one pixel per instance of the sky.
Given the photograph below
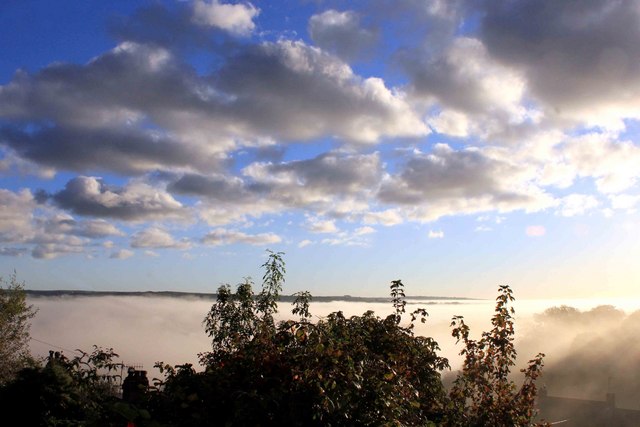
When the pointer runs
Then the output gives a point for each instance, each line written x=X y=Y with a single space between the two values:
x=455 y=145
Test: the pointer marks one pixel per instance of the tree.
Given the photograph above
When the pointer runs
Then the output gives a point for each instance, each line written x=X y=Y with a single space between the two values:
x=235 y=319
x=483 y=394
x=339 y=371
x=15 y=317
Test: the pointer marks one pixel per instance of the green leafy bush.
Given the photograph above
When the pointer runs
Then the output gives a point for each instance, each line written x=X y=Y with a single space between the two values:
x=337 y=371
x=342 y=371
x=15 y=317
x=82 y=391
x=483 y=394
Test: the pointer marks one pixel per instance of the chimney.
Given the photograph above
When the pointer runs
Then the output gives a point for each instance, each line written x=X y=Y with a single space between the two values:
x=135 y=386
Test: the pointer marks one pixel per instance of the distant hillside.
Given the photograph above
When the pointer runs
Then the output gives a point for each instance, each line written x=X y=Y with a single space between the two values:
x=212 y=296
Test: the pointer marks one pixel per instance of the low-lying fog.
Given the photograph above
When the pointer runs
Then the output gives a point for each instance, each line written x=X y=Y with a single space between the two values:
x=591 y=346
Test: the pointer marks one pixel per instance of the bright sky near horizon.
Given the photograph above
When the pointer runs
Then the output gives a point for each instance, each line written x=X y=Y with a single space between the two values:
x=456 y=145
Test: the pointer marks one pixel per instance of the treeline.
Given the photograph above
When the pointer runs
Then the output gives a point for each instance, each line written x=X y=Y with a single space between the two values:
x=337 y=371
x=213 y=296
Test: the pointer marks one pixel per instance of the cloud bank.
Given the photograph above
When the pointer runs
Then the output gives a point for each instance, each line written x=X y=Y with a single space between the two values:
x=379 y=115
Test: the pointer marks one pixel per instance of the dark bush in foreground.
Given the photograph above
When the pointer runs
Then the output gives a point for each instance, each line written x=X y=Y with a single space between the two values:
x=15 y=317
x=337 y=371
x=81 y=391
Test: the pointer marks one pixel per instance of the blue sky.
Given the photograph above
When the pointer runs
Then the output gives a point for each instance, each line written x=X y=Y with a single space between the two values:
x=165 y=145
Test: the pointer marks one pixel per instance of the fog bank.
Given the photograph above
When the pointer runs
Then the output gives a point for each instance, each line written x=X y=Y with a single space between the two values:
x=591 y=346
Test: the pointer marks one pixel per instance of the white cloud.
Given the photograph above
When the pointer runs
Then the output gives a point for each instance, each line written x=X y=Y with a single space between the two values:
x=611 y=163
x=293 y=91
x=332 y=183
x=317 y=225
x=234 y=18
x=473 y=93
x=577 y=204
x=11 y=162
x=579 y=59
x=490 y=84
x=155 y=237
x=488 y=218
x=452 y=123
x=16 y=215
x=221 y=236
x=91 y=196
x=121 y=254
x=181 y=143
x=387 y=217
x=54 y=250
x=47 y=231
x=304 y=243
x=96 y=228
x=340 y=32
x=357 y=237
x=360 y=231
x=344 y=240
x=261 y=94
x=436 y=234
x=472 y=180
x=626 y=202
x=12 y=251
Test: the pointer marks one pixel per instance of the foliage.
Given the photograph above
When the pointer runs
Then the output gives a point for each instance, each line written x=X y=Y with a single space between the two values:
x=272 y=282
x=335 y=371
x=15 y=317
x=483 y=394
x=235 y=319
x=362 y=370
x=301 y=305
x=67 y=392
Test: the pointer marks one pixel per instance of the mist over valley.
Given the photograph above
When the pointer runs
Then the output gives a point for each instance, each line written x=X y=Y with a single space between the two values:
x=591 y=345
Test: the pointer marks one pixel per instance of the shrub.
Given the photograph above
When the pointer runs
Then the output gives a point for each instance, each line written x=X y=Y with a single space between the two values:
x=483 y=394
x=338 y=371
x=15 y=317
